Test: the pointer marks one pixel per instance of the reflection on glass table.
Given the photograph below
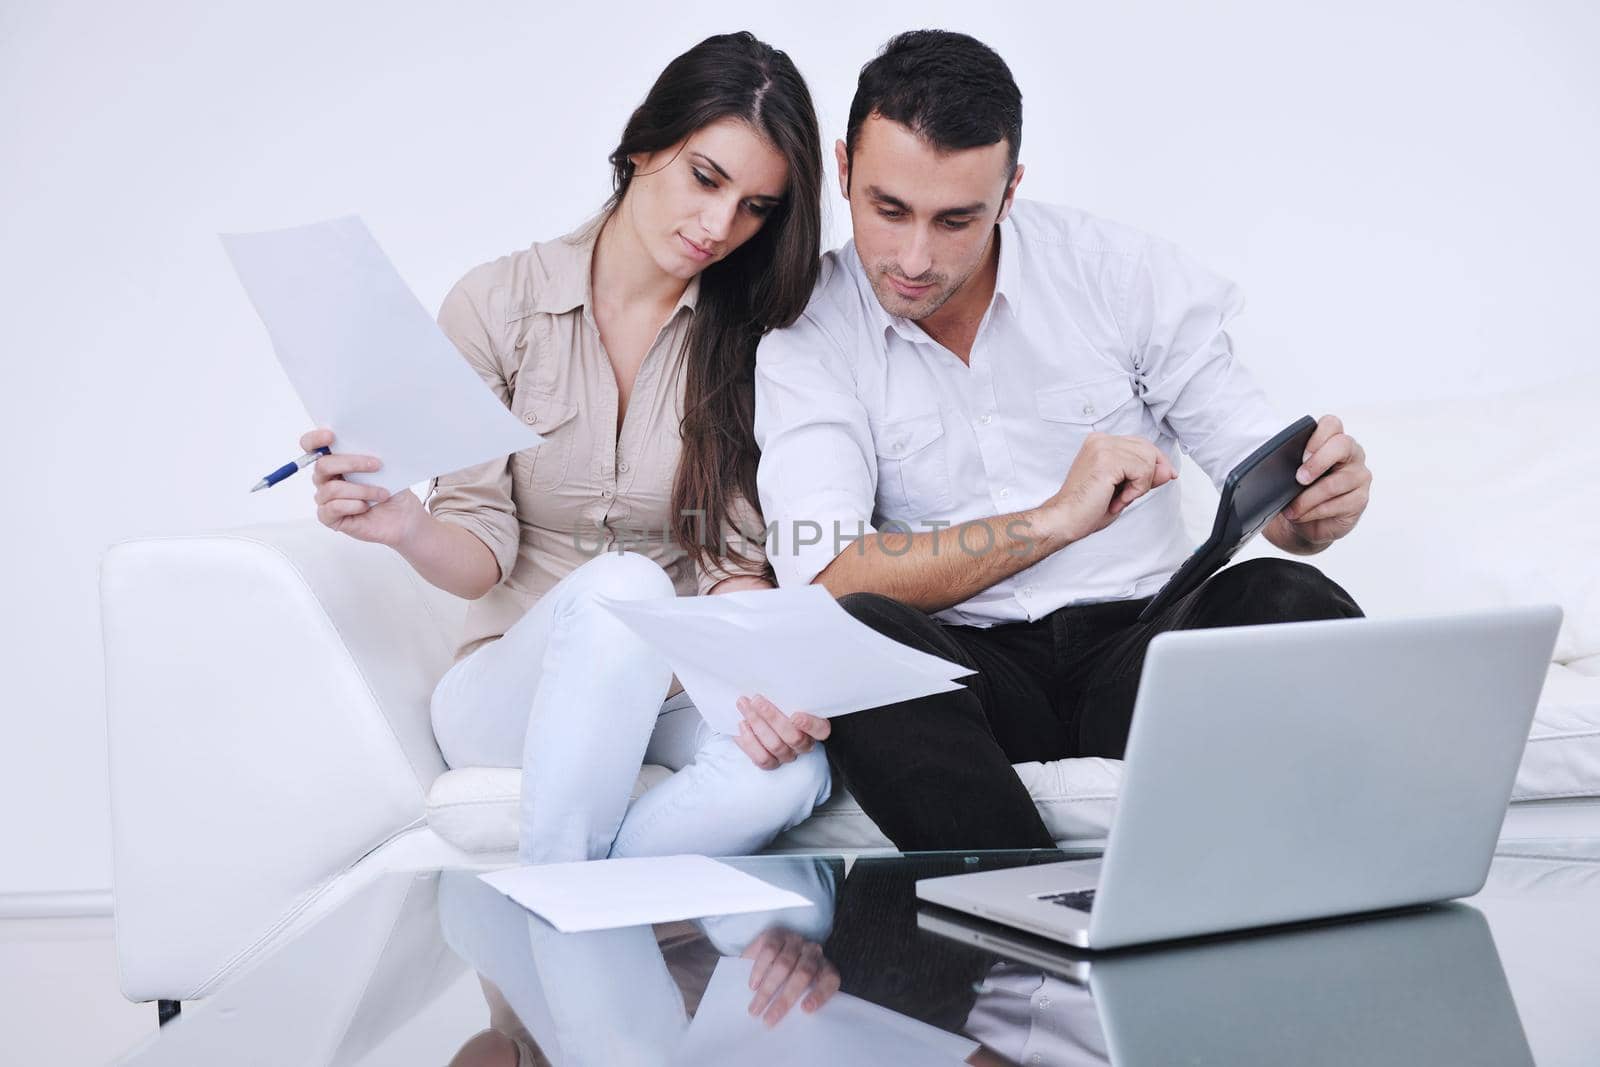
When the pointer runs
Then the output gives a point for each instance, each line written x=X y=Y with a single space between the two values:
x=1417 y=988
x=438 y=968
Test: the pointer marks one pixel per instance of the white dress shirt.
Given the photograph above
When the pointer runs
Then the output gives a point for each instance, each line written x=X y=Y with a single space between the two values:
x=863 y=419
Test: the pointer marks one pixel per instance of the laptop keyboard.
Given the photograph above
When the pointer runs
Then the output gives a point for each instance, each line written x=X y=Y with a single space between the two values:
x=1079 y=899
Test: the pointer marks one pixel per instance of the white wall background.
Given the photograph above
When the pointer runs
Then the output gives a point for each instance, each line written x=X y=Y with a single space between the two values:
x=1405 y=191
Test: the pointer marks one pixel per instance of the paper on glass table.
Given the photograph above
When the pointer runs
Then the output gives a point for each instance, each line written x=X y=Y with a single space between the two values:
x=633 y=891
x=366 y=359
x=797 y=647
x=844 y=1032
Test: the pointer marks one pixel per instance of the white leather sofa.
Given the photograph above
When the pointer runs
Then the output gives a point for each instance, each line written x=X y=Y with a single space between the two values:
x=267 y=688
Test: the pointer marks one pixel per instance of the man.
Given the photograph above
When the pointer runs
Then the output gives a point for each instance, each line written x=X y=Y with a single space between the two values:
x=969 y=439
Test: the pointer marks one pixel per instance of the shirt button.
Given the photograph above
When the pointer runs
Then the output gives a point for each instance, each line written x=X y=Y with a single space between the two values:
x=605 y=493
x=1005 y=492
x=1088 y=409
x=623 y=467
x=987 y=418
x=1044 y=1002
x=529 y=417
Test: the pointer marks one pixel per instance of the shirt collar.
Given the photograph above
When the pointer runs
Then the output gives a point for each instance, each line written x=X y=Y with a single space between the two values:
x=568 y=264
x=1007 y=284
x=1008 y=275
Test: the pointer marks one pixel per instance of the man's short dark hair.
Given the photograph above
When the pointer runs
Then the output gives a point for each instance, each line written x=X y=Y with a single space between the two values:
x=952 y=90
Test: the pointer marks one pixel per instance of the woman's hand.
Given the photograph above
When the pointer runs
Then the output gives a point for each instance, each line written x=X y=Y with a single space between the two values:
x=787 y=965
x=365 y=512
x=770 y=738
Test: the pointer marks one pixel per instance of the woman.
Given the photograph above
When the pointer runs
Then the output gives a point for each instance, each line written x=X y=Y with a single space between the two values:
x=629 y=345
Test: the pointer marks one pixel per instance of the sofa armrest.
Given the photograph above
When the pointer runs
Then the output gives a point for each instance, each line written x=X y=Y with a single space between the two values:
x=267 y=725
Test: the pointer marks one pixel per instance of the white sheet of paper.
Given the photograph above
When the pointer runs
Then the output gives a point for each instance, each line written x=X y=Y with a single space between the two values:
x=366 y=359
x=608 y=894
x=796 y=647
x=844 y=1032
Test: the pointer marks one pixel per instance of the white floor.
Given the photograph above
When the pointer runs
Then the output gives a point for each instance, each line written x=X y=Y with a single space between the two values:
x=59 y=1003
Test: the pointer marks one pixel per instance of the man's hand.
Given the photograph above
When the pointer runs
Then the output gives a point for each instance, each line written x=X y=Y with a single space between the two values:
x=1338 y=485
x=787 y=965
x=1108 y=474
x=771 y=738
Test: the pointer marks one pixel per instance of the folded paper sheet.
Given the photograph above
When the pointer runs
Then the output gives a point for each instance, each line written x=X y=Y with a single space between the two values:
x=366 y=359
x=608 y=894
x=796 y=647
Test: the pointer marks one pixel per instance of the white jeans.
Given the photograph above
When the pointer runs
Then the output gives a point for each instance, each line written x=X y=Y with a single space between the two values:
x=574 y=698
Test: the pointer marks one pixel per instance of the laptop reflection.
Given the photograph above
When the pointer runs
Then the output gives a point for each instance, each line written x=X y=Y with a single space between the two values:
x=1416 y=988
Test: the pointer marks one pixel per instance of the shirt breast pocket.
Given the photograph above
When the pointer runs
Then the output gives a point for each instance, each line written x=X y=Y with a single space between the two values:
x=913 y=468
x=545 y=465
x=1072 y=412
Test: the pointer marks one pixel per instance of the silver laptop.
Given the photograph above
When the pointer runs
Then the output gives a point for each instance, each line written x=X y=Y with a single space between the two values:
x=1277 y=774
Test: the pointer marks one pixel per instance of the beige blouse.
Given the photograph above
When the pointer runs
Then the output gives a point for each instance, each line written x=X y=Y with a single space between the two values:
x=525 y=324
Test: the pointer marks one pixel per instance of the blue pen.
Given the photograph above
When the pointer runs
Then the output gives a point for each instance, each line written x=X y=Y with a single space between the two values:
x=289 y=468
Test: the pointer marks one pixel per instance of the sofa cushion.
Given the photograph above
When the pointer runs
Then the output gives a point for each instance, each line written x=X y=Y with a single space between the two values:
x=1563 y=754
x=1075 y=798
x=476 y=808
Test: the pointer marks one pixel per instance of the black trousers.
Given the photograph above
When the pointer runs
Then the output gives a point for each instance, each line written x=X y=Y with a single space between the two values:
x=935 y=773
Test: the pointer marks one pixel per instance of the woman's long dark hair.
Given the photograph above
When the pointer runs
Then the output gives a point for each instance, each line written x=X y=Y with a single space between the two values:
x=762 y=286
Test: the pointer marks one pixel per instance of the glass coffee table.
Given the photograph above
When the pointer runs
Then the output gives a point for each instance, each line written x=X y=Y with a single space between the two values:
x=437 y=968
